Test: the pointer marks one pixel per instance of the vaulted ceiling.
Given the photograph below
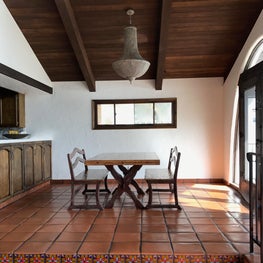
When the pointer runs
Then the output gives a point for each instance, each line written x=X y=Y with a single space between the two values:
x=78 y=40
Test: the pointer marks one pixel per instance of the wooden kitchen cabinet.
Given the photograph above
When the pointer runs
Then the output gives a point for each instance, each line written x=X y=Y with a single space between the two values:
x=11 y=170
x=4 y=172
x=23 y=166
x=29 y=165
x=46 y=159
x=17 y=171
x=12 y=109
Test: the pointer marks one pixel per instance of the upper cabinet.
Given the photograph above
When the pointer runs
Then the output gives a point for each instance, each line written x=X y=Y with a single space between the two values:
x=12 y=109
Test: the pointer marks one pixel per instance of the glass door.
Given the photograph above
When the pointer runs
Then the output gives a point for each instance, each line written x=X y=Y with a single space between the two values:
x=250 y=122
x=250 y=125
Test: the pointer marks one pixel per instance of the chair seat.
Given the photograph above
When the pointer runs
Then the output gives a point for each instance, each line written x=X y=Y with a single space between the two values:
x=158 y=174
x=92 y=175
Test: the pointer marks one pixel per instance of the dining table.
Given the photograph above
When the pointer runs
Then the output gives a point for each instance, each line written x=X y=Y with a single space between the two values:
x=129 y=163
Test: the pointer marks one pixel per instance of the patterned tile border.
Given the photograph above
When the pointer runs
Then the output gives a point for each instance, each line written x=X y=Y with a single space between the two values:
x=149 y=258
x=105 y=258
x=84 y=259
x=117 y=259
x=69 y=258
x=100 y=258
x=223 y=259
x=6 y=258
x=37 y=258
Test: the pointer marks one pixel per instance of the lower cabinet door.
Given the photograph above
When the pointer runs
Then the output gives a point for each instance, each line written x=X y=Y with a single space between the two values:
x=5 y=172
x=46 y=161
x=37 y=163
x=29 y=165
x=17 y=169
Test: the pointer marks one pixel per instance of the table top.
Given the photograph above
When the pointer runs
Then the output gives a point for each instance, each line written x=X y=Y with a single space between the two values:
x=124 y=158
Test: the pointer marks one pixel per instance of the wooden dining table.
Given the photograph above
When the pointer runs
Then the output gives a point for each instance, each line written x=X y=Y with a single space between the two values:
x=129 y=163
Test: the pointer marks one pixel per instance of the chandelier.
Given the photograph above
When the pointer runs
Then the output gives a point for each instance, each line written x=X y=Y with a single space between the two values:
x=131 y=65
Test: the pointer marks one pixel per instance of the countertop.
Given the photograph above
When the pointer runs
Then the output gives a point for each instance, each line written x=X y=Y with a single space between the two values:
x=28 y=139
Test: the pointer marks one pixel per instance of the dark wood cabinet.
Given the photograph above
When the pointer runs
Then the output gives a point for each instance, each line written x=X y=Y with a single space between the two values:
x=46 y=161
x=17 y=170
x=4 y=172
x=12 y=109
x=29 y=165
x=23 y=166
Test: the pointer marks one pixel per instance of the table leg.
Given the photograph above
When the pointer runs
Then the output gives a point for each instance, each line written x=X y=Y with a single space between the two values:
x=123 y=186
x=133 y=182
x=136 y=201
x=116 y=194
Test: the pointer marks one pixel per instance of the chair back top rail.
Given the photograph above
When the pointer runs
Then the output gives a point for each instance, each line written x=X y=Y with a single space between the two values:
x=77 y=161
x=74 y=158
x=174 y=160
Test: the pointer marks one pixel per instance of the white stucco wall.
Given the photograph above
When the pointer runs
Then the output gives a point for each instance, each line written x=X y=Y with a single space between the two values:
x=15 y=52
x=230 y=89
x=65 y=117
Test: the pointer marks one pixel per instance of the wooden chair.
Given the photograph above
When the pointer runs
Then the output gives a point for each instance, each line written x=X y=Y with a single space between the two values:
x=76 y=161
x=166 y=176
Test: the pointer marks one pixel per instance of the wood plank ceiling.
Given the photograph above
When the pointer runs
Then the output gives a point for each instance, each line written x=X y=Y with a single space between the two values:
x=78 y=40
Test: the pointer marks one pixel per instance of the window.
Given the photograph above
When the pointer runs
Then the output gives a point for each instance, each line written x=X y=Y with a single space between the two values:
x=134 y=114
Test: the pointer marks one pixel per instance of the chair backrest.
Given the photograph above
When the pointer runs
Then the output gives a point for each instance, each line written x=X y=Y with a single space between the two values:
x=76 y=159
x=174 y=160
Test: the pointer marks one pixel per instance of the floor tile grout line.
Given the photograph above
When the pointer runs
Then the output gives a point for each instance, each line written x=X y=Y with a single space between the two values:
x=114 y=232
x=220 y=231
x=87 y=232
x=201 y=244
x=168 y=232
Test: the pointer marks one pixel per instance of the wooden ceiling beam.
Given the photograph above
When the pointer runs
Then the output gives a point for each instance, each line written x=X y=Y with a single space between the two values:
x=67 y=15
x=14 y=74
x=165 y=19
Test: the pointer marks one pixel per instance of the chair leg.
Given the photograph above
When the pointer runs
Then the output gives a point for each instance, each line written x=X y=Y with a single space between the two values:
x=176 y=196
x=97 y=195
x=85 y=189
x=150 y=194
x=106 y=184
x=72 y=196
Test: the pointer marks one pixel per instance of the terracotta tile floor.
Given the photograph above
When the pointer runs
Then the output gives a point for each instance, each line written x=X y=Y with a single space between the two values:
x=211 y=227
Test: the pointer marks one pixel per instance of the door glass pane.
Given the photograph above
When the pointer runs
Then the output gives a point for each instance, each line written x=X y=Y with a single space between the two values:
x=105 y=114
x=125 y=113
x=250 y=124
x=163 y=112
x=143 y=113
